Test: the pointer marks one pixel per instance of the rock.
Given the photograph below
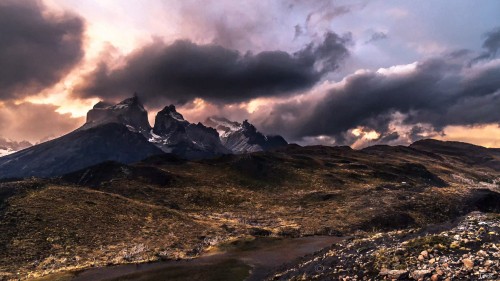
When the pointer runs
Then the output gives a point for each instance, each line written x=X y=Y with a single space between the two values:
x=420 y=257
x=482 y=253
x=425 y=254
x=468 y=263
x=432 y=261
x=454 y=245
x=434 y=277
x=392 y=274
x=420 y=274
x=243 y=137
x=255 y=231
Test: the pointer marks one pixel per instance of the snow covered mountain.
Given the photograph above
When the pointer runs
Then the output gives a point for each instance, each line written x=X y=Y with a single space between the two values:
x=243 y=137
x=8 y=146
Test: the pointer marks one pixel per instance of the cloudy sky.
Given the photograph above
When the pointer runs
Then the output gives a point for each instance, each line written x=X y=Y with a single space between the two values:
x=317 y=72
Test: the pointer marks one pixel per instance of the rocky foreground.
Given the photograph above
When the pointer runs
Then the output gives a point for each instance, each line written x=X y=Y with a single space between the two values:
x=465 y=250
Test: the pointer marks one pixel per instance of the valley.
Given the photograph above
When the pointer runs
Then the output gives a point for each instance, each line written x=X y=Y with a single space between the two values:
x=167 y=208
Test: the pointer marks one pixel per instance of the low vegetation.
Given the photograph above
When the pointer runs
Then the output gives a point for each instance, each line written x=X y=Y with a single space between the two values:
x=167 y=208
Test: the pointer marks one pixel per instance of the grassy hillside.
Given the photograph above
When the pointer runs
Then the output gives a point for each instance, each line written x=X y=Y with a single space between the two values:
x=164 y=207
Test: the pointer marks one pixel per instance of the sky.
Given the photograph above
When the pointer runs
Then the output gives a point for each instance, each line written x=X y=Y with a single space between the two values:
x=332 y=72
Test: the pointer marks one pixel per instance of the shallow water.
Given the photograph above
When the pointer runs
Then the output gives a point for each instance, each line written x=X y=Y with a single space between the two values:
x=242 y=260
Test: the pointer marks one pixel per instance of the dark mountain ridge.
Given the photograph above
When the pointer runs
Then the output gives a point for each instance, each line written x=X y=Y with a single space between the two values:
x=122 y=133
x=78 y=150
x=243 y=137
x=175 y=135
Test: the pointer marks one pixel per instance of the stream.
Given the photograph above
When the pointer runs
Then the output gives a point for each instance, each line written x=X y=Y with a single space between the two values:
x=240 y=260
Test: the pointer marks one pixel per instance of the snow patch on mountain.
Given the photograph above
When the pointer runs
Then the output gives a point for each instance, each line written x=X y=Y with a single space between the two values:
x=243 y=137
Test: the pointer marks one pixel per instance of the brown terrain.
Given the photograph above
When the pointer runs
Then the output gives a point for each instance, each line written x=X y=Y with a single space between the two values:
x=165 y=208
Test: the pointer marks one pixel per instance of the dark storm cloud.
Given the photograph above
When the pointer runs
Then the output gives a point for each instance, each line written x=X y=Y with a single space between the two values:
x=298 y=31
x=183 y=71
x=492 y=42
x=320 y=14
x=377 y=36
x=438 y=92
x=327 y=12
x=36 y=50
x=491 y=45
x=389 y=137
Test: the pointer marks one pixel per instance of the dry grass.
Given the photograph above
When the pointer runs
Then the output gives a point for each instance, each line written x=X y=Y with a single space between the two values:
x=55 y=225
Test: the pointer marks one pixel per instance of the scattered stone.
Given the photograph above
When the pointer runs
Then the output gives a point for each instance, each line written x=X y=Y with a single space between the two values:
x=482 y=253
x=468 y=263
x=425 y=257
x=420 y=274
x=392 y=274
x=455 y=244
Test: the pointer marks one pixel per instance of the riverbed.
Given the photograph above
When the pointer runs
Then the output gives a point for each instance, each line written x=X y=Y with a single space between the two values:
x=239 y=260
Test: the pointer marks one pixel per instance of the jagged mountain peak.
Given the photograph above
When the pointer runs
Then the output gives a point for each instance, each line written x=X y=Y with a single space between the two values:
x=170 y=111
x=222 y=125
x=132 y=103
x=172 y=133
x=129 y=112
x=102 y=104
x=243 y=137
x=248 y=127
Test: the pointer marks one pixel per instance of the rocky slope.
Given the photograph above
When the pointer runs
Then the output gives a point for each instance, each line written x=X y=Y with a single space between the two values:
x=167 y=207
x=129 y=112
x=77 y=150
x=243 y=137
x=468 y=249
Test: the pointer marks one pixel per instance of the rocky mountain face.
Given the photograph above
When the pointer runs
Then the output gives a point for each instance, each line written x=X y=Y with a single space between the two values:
x=243 y=137
x=111 y=133
x=175 y=135
x=9 y=146
x=130 y=112
x=119 y=132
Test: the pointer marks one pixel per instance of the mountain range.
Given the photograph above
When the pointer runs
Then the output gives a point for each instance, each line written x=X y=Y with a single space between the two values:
x=121 y=132
x=243 y=137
